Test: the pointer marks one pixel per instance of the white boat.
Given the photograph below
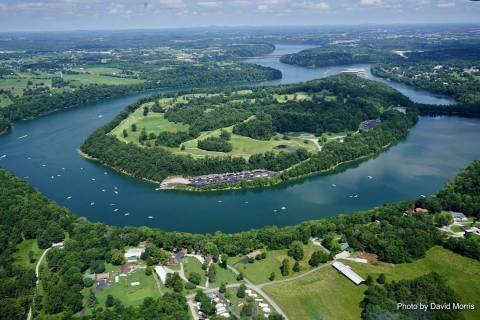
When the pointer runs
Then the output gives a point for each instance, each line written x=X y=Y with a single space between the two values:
x=284 y=208
x=103 y=190
x=127 y=213
x=52 y=177
x=69 y=197
x=63 y=168
x=115 y=210
x=44 y=165
x=93 y=179
x=150 y=217
x=23 y=137
x=334 y=185
x=92 y=203
x=116 y=192
x=370 y=177
x=219 y=201
x=59 y=175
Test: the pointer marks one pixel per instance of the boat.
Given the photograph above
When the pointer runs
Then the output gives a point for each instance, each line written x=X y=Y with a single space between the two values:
x=116 y=192
x=284 y=208
x=23 y=137
x=115 y=210
x=103 y=190
x=370 y=177
x=93 y=179
x=92 y=203
x=334 y=185
x=69 y=197
x=127 y=213
x=150 y=217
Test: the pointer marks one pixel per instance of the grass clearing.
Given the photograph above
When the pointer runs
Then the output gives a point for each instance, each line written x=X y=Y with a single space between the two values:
x=128 y=294
x=260 y=270
x=153 y=122
x=326 y=294
x=191 y=264
x=22 y=255
x=223 y=276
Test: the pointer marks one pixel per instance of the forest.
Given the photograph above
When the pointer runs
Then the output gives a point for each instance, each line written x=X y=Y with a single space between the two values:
x=382 y=299
x=26 y=214
x=259 y=114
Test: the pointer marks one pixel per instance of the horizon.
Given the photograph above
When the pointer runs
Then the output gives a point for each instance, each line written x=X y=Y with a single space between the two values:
x=102 y=15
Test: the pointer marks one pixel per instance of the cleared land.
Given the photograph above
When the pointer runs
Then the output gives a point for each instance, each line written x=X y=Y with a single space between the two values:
x=260 y=270
x=128 y=294
x=328 y=295
x=191 y=264
x=22 y=255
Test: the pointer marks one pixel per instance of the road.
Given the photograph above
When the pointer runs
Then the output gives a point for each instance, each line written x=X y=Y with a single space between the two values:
x=37 y=275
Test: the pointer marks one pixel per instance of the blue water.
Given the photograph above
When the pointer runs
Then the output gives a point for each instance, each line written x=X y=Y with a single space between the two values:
x=434 y=151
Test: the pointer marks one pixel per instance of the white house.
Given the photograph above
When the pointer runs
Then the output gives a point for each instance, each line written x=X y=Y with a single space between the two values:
x=133 y=254
x=458 y=216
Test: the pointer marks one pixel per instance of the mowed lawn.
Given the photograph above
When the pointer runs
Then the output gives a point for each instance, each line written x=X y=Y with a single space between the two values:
x=242 y=146
x=24 y=247
x=223 y=276
x=260 y=270
x=129 y=295
x=324 y=294
x=153 y=122
x=328 y=295
x=191 y=264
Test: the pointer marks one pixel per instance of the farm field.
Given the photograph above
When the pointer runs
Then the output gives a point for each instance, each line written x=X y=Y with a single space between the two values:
x=305 y=298
x=99 y=79
x=260 y=270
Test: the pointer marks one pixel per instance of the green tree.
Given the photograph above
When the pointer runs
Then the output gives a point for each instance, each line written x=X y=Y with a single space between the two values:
x=296 y=267
x=296 y=250
x=109 y=302
x=117 y=257
x=241 y=291
x=223 y=288
x=272 y=276
x=285 y=267
x=194 y=278
x=240 y=276
x=381 y=278
x=317 y=258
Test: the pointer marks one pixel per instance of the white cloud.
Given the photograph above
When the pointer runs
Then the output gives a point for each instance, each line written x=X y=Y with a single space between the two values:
x=209 y=4
x=371 y=2
x=447 y=4
x=311 y=5
x=173 y=4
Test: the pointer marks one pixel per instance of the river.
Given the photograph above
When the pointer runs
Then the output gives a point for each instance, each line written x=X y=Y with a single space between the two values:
x=44 y=152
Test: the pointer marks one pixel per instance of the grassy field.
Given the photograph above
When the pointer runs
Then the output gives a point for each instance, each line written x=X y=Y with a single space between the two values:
x=24 y=247
x=131 y=296
x=191 y=264
x=153 y=122
x=242 y=146
x=328 y=295
x=223 y=276
x=259 y=271
x=237 y=303
x=99 y=79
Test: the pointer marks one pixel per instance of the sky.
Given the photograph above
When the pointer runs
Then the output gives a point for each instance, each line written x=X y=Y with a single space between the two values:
x=38 y=15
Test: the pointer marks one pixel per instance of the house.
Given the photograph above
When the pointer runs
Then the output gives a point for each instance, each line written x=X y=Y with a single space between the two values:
x=421 y=210
x=254 y=254
x=472 y=230
x=133 y=254
x=102 y=276
x=162 y=273
x=458 y=216
x=348 y=272
x=346 y=247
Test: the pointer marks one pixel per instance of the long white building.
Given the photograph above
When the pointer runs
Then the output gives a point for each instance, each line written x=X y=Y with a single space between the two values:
x=348 y=272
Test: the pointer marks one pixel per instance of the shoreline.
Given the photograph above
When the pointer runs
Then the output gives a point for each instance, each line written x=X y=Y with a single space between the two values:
x=236 y=187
